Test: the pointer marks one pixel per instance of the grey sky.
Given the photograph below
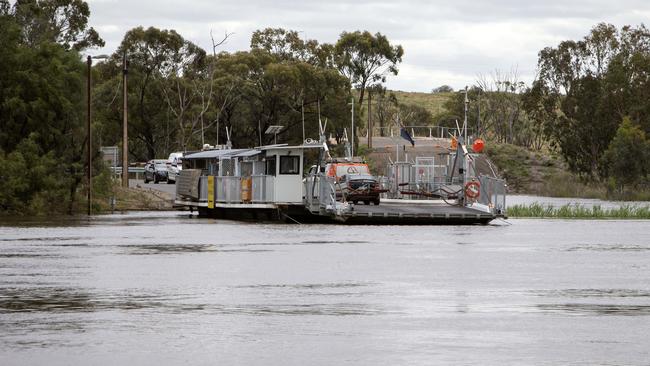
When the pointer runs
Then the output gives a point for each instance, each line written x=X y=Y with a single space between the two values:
x=445 y=42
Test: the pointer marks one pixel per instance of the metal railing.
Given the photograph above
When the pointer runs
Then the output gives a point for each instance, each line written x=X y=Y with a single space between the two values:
x=417 y=131
x=328 y=192
x=203 y=188
x=312 y=191
x=227 y=189
x=263 y=187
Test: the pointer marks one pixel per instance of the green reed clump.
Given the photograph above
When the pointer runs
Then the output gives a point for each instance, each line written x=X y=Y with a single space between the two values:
x=579 y=212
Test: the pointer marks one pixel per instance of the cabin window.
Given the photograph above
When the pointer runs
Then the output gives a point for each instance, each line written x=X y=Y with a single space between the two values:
x=289 y=164
x=246 y=168
x=270 y=166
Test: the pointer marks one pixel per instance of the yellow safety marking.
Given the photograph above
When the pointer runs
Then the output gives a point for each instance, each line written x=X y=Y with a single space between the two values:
x=210 y=191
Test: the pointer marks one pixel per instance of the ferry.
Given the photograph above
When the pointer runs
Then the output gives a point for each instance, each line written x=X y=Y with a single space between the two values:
x=278 y=183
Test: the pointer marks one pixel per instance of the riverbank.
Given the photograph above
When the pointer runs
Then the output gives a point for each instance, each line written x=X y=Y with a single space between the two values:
x=544 y=173
x=137 y=198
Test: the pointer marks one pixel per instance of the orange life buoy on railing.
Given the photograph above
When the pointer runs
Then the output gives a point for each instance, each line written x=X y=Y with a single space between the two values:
x=472 y=189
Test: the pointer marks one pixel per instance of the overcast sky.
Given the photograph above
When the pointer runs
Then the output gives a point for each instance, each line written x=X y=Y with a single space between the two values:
x=445 y=42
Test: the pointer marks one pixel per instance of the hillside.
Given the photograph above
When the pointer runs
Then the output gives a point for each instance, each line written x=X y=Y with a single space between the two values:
x=434 y=103
x=539 y=173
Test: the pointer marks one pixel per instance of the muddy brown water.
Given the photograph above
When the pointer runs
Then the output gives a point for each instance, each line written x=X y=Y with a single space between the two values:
x=169 y=289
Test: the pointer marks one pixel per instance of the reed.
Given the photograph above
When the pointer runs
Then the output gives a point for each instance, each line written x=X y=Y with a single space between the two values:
x=579 y=212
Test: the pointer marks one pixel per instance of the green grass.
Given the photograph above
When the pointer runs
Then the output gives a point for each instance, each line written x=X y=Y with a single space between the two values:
x=538 y=210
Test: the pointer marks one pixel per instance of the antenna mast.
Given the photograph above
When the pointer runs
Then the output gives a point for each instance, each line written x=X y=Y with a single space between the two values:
x=465 y=120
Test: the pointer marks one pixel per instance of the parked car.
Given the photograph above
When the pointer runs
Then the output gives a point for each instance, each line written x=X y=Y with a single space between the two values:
x=156 y=171
x=355 y=181
x=174 y=166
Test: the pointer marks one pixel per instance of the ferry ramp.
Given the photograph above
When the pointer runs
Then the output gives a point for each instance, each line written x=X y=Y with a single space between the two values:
x=389 y=212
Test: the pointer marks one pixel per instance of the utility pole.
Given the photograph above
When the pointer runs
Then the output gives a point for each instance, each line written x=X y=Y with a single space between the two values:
x=89 y=140
x=352 y=126
x=369 y=121
x=478 y=118
x=464 y=132
x=302 y=109
x=125 y=129
x=89 y=171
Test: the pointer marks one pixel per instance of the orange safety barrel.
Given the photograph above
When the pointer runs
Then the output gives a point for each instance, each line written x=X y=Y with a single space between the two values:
x=478 y=145
x=246 y=189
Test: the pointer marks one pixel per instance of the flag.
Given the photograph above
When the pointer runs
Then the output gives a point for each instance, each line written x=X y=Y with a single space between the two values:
x=405 y=135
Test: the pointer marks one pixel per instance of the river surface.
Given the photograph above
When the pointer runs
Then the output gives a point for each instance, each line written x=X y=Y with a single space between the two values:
x=170 y=289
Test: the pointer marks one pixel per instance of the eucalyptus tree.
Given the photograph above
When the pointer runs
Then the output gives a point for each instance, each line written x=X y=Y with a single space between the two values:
x=161 y=65
x=64 y=22
x=365 y=58
x=42 y=111
x=594 y=83
x=274 y=90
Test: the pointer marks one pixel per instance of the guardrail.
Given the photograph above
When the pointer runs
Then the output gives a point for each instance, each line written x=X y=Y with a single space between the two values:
x=137 y=171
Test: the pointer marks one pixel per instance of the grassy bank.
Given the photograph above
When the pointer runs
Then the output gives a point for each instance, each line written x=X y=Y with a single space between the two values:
x=538 y=210
x=118 y=198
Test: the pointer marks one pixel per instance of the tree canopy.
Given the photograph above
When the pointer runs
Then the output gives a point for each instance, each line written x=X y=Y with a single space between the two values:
x=593 y=84
x=365 y=58
x=41 y=109
x=273 y=83
x=627 y=158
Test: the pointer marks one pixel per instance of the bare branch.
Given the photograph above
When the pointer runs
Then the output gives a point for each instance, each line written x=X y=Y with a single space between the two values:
x=226 y=35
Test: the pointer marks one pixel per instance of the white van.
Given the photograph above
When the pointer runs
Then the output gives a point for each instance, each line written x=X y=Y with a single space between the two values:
x=174 y=166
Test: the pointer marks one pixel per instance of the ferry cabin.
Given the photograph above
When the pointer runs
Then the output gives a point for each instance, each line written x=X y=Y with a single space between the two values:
x=262 y=178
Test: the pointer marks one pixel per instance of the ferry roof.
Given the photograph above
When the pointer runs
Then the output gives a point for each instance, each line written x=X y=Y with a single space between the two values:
x=285 y=147
x=213 y=154
x=222 y=153
x=247 y=153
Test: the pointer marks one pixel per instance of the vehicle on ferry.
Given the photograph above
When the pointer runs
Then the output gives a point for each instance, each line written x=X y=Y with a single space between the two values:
x=356 y=182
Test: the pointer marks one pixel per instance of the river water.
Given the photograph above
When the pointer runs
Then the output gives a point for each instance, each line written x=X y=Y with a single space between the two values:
x=169 y=289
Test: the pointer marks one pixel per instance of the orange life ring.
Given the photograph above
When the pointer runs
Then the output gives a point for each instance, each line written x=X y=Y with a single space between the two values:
x=472 y=189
